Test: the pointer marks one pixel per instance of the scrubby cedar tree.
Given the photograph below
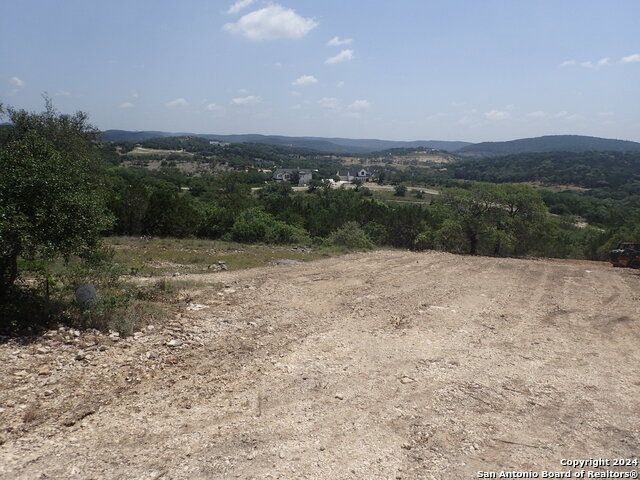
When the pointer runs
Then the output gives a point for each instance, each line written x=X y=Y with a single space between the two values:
x=50 y=201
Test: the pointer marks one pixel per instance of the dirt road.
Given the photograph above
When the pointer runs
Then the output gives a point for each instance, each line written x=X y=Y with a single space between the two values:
x=382 y=365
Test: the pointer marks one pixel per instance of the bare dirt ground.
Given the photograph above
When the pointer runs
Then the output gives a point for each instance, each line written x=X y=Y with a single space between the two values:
x=382 y=365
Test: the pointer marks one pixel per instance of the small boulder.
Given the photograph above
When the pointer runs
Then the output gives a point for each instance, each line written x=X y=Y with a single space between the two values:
x=86 y=293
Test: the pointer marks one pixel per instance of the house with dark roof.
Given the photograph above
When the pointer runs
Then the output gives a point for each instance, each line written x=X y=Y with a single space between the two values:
x=286 y=174
x=362 y=173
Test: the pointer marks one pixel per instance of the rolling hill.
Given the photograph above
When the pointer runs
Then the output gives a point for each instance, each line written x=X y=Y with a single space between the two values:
x=549 y=143
x=321 y=144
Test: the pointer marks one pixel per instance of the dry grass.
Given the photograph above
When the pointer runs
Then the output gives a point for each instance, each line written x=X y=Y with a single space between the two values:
x=159 y=256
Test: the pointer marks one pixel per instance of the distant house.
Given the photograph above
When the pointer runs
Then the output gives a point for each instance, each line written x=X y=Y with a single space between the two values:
x=218 y=143
x=362 y=173
x=286 y=174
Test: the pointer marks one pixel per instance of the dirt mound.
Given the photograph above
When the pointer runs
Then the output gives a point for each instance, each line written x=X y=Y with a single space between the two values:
x=382 y=365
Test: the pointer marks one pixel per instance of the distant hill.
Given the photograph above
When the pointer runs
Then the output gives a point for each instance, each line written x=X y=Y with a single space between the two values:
x=321 y=144
x=128 y=136
x=549 y=143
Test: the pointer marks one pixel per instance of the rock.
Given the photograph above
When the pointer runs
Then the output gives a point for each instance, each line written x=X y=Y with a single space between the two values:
x=137 y=334
x=102 y=348
x=406 y=380
x=174 y=343
x=150 y=327
x=47 y=393
x=44 y=371
x=339 y=396
x=42 y=350
x=21 y=373
x=86 y=293
x=406 y=446
x=80 y=355
x=287 y=261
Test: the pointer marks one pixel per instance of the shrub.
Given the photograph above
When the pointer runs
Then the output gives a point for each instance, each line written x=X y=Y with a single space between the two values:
x=256 y=225
x=400 y=190
x=377 y=233
x=350 y=235
x=425 y=240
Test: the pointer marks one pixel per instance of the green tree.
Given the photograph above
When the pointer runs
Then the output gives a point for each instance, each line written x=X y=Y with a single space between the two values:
x=50 y=193
x=400 y=190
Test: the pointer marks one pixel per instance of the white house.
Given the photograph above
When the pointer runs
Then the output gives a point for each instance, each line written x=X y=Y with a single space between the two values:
x=362 y=173
x=285 y=175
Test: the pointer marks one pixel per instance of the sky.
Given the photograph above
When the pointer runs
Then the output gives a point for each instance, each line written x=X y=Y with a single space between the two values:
x=471 y=70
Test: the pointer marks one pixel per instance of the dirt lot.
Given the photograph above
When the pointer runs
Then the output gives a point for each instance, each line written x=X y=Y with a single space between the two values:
x=382 y=365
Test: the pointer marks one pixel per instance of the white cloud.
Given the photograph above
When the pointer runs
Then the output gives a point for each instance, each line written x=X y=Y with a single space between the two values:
x=295 y=93
x=17 y=82
x=239 y=5
x=465 y=120
x=329 y=103
x=305 y=80
x=213 y=107
x=243 y=91
x=458 y=104
x=134 y=94
x=178 y=102
x=337 y=42
x=271 y=23
x=296 y=107
x=343 y=56
x=497 y=115
x=247 y=101
x=631 y=58
x=359 y=105
x=603 y=62
x=340 y=84
x=126 y=105
x=511 y=106
x=562 y=114
x=62 y=93
x=277 y=64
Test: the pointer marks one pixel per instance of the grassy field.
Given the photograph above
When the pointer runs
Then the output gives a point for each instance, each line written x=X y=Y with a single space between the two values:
x=161 y=256
x=153 y=151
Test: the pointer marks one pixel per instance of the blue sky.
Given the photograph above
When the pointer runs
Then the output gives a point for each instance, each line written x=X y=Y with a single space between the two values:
x=405 y=70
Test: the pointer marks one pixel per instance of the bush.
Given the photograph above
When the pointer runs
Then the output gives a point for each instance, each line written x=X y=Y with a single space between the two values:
x=350 y=235
x=256 y=225
x=400 y=190
x=377 y=233
x=425 y=240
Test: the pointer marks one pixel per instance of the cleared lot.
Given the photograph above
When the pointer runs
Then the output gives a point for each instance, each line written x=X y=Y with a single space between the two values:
x=380 y=365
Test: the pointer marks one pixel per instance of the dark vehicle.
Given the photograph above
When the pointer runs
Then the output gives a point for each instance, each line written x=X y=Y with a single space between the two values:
x=625 y=255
